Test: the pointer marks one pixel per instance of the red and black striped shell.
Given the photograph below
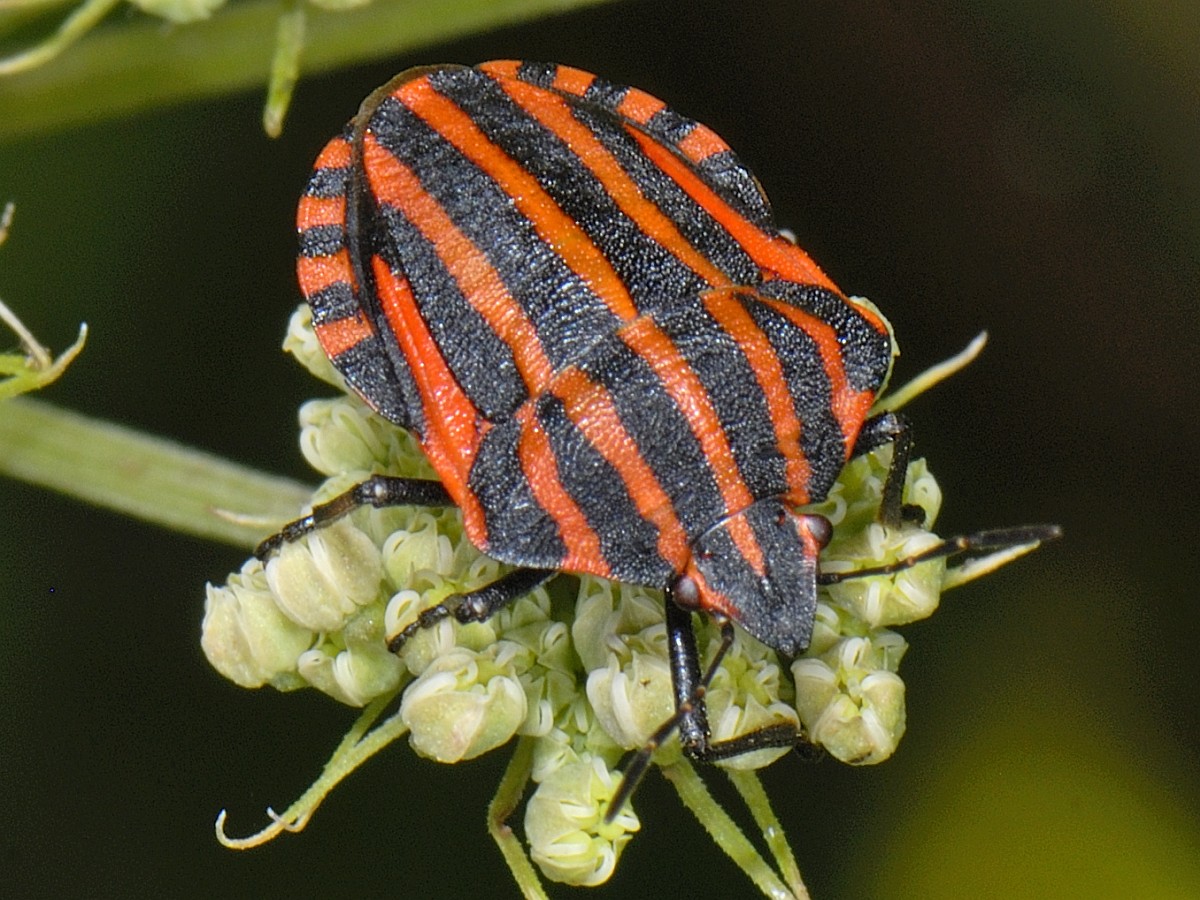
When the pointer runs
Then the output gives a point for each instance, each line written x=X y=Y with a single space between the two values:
x=578 y=300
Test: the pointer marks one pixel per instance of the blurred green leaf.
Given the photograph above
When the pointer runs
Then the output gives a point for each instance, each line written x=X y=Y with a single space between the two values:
x=142 y=63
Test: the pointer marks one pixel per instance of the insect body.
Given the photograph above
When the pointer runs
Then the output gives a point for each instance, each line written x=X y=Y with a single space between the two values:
x=578 y=300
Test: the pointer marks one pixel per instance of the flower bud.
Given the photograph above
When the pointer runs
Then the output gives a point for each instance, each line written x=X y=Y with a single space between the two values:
x=850 y=699
x=337 y=437
x=321 y=581
x=245 y=635
x=905 y=596
x=466 y=703
x=632 y=698
x=746 y=695
x=606 y=612
x=354 y=665
x=564 y=823
x=301 y=341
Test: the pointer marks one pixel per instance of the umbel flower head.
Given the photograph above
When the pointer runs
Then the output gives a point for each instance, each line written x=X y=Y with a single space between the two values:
x=576 y=675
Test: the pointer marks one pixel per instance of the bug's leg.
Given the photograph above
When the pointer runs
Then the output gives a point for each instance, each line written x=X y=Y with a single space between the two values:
x=978 y=542
x=377 y=491
x=889 y=428
x=477 y=605
x=690 y=714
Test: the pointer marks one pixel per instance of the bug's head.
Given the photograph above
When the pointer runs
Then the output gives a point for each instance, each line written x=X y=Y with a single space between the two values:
x=759 y=568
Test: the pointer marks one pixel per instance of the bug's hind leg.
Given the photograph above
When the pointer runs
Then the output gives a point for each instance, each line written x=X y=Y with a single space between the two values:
x=377 y=491
x=477 y=605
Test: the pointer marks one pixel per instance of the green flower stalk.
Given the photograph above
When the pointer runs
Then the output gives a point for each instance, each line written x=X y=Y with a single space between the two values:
x=577 y=672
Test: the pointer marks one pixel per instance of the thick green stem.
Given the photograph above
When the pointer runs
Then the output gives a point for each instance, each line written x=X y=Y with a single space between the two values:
x=148 y=477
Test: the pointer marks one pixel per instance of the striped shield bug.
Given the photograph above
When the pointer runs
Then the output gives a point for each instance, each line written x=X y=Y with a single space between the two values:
x=578 y=301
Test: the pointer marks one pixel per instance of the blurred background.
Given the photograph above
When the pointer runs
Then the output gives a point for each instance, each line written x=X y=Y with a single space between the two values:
x=1026 y=168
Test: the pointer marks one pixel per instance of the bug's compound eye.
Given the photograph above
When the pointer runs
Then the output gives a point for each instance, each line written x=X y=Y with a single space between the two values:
x=819 y=529
x=686 y=592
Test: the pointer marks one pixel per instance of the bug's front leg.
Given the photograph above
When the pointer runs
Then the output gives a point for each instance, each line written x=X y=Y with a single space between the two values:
x=890 y=428
x=691 y=714
x=377 y=491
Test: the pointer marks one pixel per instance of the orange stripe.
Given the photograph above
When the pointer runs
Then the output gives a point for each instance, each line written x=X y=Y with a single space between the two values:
x=392 y=182
x=648 y=341
x=848 y=405
x=591 y=408
x=315 y=273
x=339 y=336
x=554 y=226
x=573 y=81
x=452 y=423
x=315 y=211
x=771 y=253
x=729 y=313
x=555 y=114
x=639 y=106
x=501 y=68
x=337 y=154
x=712 y=601
x=701 y=142
x=747 y=544
x=539 y=465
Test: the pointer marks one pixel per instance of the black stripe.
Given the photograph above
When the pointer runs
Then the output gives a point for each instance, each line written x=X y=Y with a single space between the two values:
x=778 y=609
x=541 y=74
x=322 y=240
x=326 y=182
x=628 y=542
x=820 y=435
x=866 y=352
x=722 y=367
x=563 y=310
x=669 y=127
x=723 y=171
x=605 y=94
x=662 y=433
x=376 y=369
x=700 y=229
x=333 y=303
x=651 y=274
x=736 y=185
x=519 y=530
x=482 y=363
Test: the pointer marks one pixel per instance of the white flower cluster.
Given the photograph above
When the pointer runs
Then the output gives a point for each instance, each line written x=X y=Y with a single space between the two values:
x=584 y=673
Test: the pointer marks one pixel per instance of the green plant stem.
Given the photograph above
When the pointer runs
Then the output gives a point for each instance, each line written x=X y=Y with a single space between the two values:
x=508 y=797
x=723 y=830
x=76 y=25
x=285 y=65
x=751 y=790
x=359 y=745
x=147 y=477
x=142 y=63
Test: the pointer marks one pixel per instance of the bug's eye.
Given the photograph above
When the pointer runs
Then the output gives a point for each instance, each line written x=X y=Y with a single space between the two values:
x=686 y=592
x=820 y=529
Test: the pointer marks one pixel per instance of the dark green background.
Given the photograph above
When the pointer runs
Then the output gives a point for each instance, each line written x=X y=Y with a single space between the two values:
x=1027 y=168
